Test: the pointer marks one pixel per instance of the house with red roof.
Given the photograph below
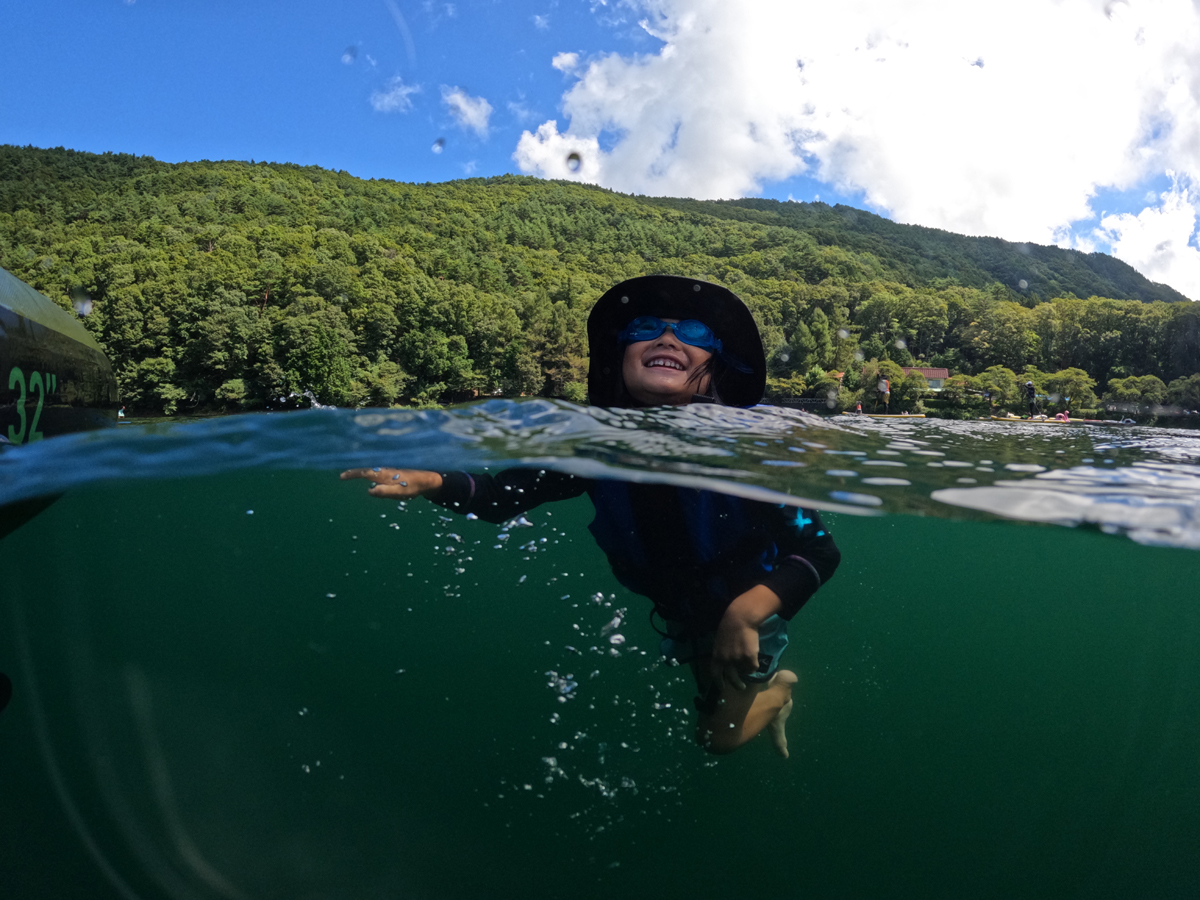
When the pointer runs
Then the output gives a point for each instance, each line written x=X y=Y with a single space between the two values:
x=935 y=377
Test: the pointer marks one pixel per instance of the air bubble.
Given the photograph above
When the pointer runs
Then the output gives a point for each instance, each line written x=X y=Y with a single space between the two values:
x=574 y=161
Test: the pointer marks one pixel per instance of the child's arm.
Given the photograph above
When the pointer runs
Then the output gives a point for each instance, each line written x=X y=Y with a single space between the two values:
x=807 y=559
x=493 y=498
x=735 y=645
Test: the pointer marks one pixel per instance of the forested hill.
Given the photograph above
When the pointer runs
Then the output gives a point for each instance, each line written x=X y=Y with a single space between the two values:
x=923 y=255
x=235 y=284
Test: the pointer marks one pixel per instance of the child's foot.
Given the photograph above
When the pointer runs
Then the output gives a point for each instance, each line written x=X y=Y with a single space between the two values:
x=779 y=723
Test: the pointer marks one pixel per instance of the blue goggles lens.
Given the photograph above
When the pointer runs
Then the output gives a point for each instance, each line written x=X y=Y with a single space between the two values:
x=690 y=331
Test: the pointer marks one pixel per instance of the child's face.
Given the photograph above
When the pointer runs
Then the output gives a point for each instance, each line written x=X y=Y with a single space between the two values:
x=664 y=371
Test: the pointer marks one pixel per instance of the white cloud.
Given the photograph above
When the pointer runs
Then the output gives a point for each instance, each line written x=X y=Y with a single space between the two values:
x=554 y=155
x=566 y=62
x=471 y=113
x=519 y=111
x=985 y=118
x=541 y=23
x=1157 y=241
x=395 y=96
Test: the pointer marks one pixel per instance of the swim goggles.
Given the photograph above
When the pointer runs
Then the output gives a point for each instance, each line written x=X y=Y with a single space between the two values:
x=690 y=331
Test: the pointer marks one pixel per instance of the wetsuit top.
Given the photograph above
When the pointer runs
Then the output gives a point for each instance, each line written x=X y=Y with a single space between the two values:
x=690 y=551
x=1030 y=391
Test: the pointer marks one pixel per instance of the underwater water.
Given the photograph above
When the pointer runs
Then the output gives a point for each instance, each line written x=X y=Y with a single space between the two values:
x=235 y=676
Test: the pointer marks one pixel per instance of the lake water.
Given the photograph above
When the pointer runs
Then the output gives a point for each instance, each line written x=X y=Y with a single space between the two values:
x=236 y=676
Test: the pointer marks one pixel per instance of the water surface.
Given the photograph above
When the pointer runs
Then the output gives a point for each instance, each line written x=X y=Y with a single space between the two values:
x=236 y=676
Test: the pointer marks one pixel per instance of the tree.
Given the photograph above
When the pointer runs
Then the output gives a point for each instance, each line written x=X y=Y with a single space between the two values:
x=1000 y=384
x=957 y=389
x=1072 y=388
x=222 y=284
x=822 y=337
x=786 y=387
x=912 y=388
x=1185 y=392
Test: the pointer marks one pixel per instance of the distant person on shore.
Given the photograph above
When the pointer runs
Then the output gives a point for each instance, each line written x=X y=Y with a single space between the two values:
x=725 y=574
x=883 y=389
x=1031 y=395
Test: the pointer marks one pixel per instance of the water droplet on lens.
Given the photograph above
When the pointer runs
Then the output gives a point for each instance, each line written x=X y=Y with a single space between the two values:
x=843 y=334
x=574 y=161
x=438 y=145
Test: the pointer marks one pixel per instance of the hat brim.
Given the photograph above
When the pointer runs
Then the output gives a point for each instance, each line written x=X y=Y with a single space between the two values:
x=675 y=297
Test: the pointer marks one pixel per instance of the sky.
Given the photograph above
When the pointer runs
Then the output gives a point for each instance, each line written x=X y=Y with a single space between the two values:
x=1068 y=122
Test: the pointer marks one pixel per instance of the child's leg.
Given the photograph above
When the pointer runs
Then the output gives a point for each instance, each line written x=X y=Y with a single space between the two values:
x=737 y=716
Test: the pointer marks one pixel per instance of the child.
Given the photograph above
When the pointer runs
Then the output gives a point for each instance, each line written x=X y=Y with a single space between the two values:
x=724 y=573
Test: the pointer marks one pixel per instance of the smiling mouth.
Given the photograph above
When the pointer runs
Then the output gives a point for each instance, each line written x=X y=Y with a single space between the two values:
x=664 y=363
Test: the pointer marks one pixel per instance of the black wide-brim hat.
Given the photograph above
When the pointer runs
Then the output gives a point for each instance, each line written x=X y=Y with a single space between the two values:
x=675 y=297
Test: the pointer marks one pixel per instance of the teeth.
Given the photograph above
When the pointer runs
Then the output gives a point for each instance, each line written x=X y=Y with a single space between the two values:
x=669 y=363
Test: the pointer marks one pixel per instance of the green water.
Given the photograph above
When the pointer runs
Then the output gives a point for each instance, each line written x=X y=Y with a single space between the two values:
x=985 y=709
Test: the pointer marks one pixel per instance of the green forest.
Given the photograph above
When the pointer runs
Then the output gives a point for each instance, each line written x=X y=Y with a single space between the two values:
x=241 y=285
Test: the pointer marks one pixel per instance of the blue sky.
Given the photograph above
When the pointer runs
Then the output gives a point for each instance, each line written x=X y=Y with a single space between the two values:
x=1071 y=122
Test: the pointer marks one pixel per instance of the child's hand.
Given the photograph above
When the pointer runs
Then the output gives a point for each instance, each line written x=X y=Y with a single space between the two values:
x=735 y=649
x=735 y=645
x=397 y=483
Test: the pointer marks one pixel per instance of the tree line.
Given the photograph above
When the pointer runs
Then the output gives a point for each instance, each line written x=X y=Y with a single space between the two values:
x=234 y=285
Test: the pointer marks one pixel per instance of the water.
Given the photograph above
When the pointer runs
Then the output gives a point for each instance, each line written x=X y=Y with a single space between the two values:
x=238 y=677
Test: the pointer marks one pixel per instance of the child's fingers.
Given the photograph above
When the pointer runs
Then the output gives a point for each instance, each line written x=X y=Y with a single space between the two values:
x=377 y=474
x=388 y=490
x=355 y=473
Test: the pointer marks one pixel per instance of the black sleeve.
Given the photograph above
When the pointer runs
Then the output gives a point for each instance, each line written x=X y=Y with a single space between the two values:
x=510 y=492
x=808 y=557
